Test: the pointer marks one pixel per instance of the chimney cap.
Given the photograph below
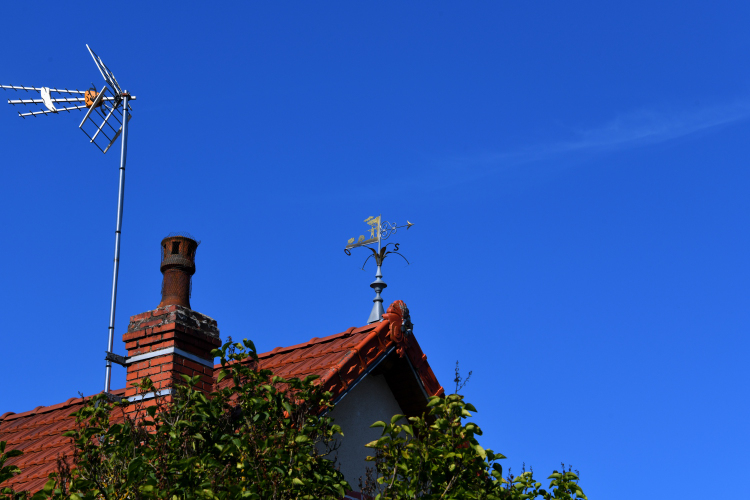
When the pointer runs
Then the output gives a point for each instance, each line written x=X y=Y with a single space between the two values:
x=182 y=234
x=178 y=250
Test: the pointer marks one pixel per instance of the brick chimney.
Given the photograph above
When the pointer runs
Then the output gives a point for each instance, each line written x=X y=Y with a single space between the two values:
x=172 y=339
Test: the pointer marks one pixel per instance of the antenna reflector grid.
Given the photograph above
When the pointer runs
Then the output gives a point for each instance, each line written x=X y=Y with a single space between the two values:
x=103 y=121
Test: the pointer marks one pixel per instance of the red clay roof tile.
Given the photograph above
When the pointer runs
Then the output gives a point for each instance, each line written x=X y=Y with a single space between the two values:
x=38 y=433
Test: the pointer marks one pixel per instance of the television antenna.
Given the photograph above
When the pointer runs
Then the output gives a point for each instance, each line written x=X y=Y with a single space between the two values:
x=107 y=117
x=379 y=230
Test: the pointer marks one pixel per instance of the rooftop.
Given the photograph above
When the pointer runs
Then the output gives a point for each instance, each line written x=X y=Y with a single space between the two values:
x=341 y=360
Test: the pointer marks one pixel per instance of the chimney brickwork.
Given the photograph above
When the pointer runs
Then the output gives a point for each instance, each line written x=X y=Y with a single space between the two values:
x=172 y=340
x=169 y=341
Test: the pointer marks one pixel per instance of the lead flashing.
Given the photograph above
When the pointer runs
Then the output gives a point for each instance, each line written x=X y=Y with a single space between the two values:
x=170 y=350
x=150 y=395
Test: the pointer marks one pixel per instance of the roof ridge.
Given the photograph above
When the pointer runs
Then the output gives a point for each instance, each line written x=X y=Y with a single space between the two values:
x=39 y=410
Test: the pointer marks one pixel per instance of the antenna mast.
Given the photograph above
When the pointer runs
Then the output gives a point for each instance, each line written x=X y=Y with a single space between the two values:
x=118 y=232
x=108 y=113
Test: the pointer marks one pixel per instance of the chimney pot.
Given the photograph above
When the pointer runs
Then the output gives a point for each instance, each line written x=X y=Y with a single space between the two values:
x=178 y=267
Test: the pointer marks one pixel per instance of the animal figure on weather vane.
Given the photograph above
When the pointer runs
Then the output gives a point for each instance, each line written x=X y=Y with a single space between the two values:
x=379 y=230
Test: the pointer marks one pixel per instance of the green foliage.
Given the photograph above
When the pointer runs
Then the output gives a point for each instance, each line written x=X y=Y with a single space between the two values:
x=437 y=456
x=258 y=437
x=563 y=486
x=8 y=471
x=264 y=437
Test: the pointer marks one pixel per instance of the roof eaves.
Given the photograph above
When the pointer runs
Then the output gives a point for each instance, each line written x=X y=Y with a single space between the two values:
x=355 y=361
x=367 y=371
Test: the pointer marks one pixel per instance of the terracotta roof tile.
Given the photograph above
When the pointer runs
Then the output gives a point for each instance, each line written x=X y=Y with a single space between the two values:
x=38 y=433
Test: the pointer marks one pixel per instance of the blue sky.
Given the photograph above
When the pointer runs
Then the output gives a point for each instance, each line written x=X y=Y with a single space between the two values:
x=577 y=173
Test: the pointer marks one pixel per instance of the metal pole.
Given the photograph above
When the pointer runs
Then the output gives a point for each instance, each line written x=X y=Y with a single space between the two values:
x=378 y=285
x=118 y=232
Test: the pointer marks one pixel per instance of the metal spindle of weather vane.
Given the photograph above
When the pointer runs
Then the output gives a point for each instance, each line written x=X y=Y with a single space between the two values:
x=379 y=231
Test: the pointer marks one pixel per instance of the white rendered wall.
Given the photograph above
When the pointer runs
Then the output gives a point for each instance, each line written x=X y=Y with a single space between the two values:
x=371 y=400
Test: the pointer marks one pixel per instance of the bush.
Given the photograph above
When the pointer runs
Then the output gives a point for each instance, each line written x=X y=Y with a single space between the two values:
x=259 y=436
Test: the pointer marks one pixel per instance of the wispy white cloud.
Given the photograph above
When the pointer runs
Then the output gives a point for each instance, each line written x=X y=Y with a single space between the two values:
x=649 y=127
x=631 y=130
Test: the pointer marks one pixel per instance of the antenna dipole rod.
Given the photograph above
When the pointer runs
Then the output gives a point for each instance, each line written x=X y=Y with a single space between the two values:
x=66 y=91
x=118 y=232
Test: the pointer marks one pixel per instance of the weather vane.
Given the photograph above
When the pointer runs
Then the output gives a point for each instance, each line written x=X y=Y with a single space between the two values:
x=379 y=231
x=107 y=118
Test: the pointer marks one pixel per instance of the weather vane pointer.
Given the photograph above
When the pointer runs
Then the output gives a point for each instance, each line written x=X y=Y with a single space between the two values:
x=379 y=230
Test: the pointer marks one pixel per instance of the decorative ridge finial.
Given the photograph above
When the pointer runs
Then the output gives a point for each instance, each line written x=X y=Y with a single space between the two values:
x=401 y=327
x=379 y=231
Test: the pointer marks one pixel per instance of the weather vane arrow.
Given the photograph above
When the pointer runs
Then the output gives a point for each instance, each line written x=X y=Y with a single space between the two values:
x=379 y=230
